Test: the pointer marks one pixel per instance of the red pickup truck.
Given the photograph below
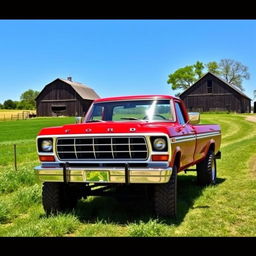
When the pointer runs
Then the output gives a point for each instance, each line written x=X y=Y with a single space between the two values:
x=126 y=141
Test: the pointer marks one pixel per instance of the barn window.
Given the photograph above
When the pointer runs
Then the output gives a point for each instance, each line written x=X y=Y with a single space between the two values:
x=59 y=108
x=209 y=86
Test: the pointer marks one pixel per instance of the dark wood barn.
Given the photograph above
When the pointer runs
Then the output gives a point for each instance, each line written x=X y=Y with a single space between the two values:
x=65 y=97
x=211 y=93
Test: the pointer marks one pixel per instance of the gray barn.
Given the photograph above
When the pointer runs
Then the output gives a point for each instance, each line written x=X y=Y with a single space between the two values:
x=211 y=93
x=65 y=97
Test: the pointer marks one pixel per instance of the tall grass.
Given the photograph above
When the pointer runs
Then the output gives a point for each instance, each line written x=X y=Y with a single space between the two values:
x=52 y=226
x=5 y=212
x=11 y=180
x=152 y=228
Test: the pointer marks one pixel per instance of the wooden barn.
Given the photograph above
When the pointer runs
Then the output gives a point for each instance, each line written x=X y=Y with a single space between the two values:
x=65 y=97
x=211 y=93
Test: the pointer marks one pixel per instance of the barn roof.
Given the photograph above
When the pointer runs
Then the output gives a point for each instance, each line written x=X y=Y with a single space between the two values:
x=83 y=90
x=228 y=84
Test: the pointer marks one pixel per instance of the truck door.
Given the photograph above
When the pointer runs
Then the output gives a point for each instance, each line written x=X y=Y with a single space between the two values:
x=185 y=136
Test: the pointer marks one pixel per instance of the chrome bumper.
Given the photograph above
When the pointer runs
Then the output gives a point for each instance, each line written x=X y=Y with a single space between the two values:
x=104 y=175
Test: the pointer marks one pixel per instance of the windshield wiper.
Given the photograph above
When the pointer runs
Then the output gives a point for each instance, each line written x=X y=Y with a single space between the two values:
x=94 y=121
x=129 y=118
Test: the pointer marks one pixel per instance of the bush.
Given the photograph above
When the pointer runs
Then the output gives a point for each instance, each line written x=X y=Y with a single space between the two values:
x=9 y=104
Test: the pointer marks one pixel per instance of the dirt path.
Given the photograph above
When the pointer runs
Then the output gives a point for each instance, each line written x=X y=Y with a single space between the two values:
x=251 y=118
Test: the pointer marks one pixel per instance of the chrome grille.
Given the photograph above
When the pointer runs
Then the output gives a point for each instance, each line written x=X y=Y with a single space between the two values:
x=102 y=148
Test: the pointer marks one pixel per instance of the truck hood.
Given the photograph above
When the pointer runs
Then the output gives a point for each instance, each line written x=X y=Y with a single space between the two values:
x=111 y=127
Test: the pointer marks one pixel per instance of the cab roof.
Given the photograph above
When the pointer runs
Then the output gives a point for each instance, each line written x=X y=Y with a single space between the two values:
x=136 y=97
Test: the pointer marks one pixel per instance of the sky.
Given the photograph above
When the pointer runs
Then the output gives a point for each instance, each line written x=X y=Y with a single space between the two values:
x=117 y=57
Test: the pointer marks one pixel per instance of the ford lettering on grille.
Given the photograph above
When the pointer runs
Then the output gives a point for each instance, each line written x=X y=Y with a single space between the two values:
x=102 y=148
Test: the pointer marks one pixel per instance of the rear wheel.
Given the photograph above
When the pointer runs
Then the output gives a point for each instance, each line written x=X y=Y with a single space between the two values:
x=207 y=170
x=165 y=197
x=59 y=197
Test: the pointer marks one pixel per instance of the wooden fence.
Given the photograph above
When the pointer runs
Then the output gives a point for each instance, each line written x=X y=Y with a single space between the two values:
x=17 y=116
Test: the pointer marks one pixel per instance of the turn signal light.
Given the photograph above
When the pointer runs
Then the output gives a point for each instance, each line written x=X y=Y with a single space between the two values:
x=160 y=157
x=47 y=158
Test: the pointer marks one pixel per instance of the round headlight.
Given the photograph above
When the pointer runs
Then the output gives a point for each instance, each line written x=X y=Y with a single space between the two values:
x=159 y=144
x=46 y=145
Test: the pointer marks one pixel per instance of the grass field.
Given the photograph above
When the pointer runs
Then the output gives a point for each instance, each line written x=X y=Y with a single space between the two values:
x=226 y=209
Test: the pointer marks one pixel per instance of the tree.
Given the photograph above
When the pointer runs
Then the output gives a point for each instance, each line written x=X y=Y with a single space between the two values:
x=233 y=72
x=186 y=76
x=24 y=105
x=199 y=66
x=28 y=99
x=9 y=104
x=1 y=106
x=182 y=78
x=213 y=67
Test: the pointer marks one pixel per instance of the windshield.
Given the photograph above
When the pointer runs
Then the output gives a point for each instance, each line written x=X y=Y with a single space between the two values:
x=148 y=110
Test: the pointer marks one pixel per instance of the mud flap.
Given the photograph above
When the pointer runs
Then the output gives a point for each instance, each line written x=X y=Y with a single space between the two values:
x=218 y=155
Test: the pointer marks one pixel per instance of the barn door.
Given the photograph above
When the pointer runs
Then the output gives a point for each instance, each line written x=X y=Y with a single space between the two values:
x=58 y=110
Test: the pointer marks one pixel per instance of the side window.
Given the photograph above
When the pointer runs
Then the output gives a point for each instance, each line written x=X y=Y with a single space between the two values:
x=180 y=116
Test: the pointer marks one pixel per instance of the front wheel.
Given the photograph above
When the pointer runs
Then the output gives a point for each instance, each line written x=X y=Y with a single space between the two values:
x=207 y=170
x=165 y=197
x=59 y=197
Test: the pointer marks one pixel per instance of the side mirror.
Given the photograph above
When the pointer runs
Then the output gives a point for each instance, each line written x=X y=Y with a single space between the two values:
x=79 y=119
x=194 y=117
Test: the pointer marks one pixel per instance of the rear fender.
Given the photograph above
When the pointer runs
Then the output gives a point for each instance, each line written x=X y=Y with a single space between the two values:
x=208 y=146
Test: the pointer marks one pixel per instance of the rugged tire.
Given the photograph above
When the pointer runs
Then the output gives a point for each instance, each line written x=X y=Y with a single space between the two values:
x=165 y=197
x=59 y=197
x=207 y=170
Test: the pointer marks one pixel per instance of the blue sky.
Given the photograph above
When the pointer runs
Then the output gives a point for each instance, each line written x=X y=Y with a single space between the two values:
x=117 y=57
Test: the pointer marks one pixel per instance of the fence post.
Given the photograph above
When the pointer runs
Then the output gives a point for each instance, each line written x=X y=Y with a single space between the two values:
x=15 y=156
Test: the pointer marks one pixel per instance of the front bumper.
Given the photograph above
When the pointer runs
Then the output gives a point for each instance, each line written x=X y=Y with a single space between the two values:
x=104 y=175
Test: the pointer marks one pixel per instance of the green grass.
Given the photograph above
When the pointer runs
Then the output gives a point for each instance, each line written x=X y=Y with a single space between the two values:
x=226 y=209
x=34 y=224
x=23 y=133
x=22 y=130
x=11 y=180
x=151 y=228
